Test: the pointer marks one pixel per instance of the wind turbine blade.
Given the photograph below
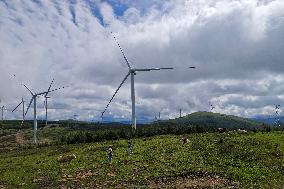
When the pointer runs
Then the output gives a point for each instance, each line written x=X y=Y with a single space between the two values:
x=29 y=105
x=57 y=89
x=46 y=92
x=150 y=69
x=126 y=60
x=28 y=89
x=146 y=70
x=115 y=93
x=49 y=86
x=17 y=106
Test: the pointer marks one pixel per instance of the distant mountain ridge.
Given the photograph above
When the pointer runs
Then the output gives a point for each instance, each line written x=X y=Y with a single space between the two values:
x=268 y=120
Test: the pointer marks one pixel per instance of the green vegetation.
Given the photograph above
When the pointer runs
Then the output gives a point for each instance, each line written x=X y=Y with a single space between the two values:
x=11 y=127
x=209 y=120
x=199 y=122
x=70 y=132
x=254 y=160
x=14 y=124
x=209 y=160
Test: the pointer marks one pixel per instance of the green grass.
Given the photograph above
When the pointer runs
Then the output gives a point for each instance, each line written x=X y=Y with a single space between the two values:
x=4 y=132
x=255 y=160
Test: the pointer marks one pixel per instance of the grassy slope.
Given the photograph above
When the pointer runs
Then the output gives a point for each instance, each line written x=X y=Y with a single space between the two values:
x=255 y=160
x=10 y=127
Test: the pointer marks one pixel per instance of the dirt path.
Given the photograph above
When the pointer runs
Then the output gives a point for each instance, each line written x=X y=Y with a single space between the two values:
x=15 y=138
x=191 y=181
x=20 y=137
x=194 y=181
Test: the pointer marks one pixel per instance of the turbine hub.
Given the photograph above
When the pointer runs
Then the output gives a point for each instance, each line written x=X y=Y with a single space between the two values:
x=132 y=70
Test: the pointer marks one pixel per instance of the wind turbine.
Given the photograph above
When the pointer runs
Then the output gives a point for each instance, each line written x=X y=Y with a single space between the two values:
x=277 y=109
x=33 y=99
x=23 y=110
x=45 y=102
x=2 y=110
x=158 y=118
x=212 y=107
x=131 y=72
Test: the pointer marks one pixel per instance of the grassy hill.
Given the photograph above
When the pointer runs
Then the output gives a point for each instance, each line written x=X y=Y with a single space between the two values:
x=209 y=160
x=212 y=160
x=215 y=120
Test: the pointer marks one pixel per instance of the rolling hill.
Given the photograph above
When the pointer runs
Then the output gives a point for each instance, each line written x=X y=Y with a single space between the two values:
x=215 y=120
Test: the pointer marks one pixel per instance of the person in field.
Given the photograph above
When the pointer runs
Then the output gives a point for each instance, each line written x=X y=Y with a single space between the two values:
x=110 y=153
x=130 y=148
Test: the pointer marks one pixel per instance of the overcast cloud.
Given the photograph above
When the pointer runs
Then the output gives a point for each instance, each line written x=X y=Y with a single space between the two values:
x=236 y=45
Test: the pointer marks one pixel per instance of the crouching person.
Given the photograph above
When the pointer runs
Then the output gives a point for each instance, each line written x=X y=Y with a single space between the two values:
x=110 y=153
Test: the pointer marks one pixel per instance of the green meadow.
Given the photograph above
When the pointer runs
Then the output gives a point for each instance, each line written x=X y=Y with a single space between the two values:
x=209 y=160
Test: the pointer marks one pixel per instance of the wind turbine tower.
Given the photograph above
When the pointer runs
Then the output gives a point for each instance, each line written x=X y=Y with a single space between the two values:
x=131 y=72
x=2 y=112
x=277 y=110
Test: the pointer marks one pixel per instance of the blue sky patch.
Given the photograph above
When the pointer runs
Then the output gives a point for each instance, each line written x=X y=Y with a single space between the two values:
x=95 y=10
x=118 y=8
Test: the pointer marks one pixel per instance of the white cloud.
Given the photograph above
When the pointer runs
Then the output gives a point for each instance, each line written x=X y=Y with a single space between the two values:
x=237 y=47
x=107 y=12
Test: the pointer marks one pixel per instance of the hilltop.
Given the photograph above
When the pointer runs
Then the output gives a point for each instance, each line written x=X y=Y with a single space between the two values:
x=214 y=120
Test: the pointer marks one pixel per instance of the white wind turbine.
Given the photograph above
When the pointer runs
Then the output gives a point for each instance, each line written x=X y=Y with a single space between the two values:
x=2 y=110
x=33 y=99
x=277 y=110
x=212 y=107
x=132 y=72
x=45 y=101
x=23 y=110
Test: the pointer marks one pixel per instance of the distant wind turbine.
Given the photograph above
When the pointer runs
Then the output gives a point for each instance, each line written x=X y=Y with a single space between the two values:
x=212 y=107
x=23 y=109
x=2 y=110
x=45 y=102
x=277 y=110
x=33 y=99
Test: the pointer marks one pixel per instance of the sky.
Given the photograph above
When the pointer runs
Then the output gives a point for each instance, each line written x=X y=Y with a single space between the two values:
x=237 y=47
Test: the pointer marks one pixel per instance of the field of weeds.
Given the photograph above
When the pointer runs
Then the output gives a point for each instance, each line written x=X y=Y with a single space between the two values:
x=209 y=160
